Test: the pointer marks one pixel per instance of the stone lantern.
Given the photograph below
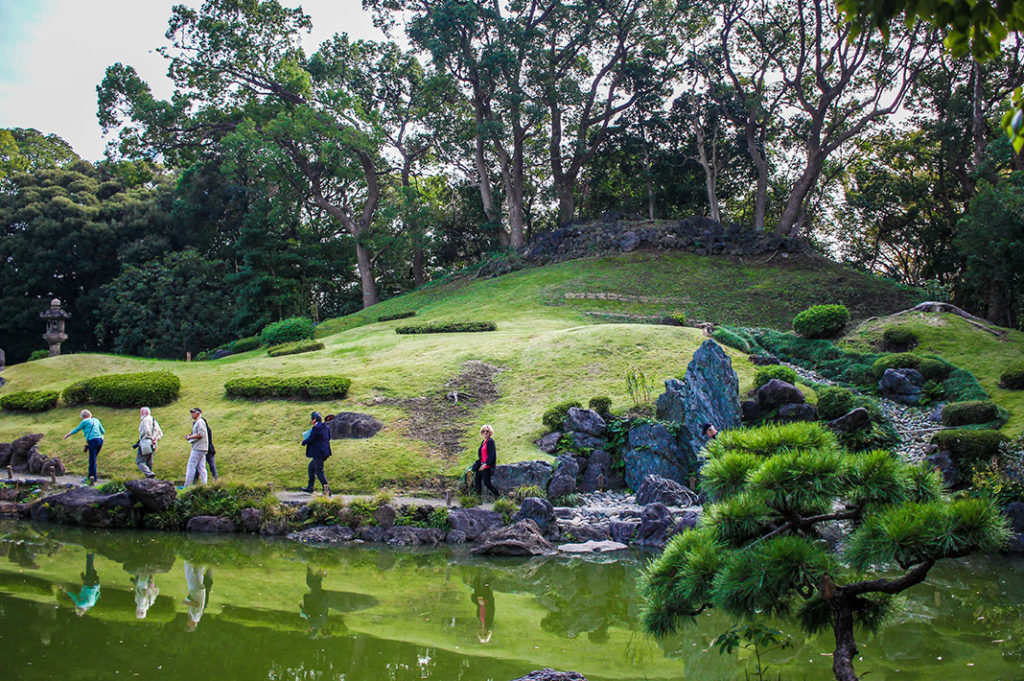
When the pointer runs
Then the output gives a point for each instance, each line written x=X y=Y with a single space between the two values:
x=55 y=335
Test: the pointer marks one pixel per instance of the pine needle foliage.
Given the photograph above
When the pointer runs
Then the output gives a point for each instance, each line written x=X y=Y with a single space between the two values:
x=758 y=550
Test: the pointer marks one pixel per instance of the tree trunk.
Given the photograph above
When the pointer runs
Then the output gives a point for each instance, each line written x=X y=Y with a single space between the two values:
x=789 y=222
x=418 y=258
x=761 y=165
x=977 y=116
x=366 y=276
x=566 y=202
x=710 y=167
x=486 y=196
x=647 y=176
x=996 y=309
x=846 y=646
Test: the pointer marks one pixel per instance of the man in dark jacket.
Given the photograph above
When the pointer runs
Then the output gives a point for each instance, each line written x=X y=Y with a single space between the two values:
x=318 y=449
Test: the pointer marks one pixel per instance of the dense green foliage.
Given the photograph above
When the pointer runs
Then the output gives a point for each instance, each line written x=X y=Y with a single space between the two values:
x=147 y=388
x=554 y=416
x=898 y=339
x=30 y=400
x=730 y=337
x=602 y=405
x=972 y=412
x=765 y=374
x=834 y=402
x=294 y=387
x=447 y=327
x=932 y=369
x=244 y=344
x=967 y=446
x=1012 y=377
x=38 y=354
x=287 y=331
x=821 y=321
x=295 y=348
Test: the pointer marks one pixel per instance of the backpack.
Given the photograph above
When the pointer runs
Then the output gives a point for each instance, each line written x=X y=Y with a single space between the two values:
x=211 y=451
x=156 y=432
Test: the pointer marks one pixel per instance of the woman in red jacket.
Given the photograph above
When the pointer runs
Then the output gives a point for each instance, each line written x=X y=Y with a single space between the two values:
x=486 y=459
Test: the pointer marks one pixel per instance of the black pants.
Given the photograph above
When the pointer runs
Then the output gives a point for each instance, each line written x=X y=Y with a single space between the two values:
x=316 y=467
x=210 y=463
x=483 y=477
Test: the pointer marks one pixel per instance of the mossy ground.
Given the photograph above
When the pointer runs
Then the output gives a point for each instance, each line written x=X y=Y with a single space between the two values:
x=547 y=348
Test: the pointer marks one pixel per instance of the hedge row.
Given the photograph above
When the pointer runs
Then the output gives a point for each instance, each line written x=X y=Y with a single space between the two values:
x=448 y=327
x=296 y=387
x=147 y=388
x=396 y=315
x=30 y=400
x=967 y=446
x=294 y=348
x=932 y=368
x=973 y=412
x=243 y=345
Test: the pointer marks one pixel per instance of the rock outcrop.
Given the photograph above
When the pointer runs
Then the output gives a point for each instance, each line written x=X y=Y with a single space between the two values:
x=522 y=538
x=156 y=496
x=353 y=425
x=656 y=489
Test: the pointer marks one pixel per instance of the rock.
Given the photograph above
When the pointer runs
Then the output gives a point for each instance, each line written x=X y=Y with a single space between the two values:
x=574 y=531
x=210 y=524
x=592 y=547
x=585 y=421
x=763 y=360
x=220 y=354
x=902 y=385
x=656 y=524
x=1014 y=512
x=406 y=535
x=797 y=412
x=548 y=674
x=156 y=496
x=623 y=531
x=324 y=534
x=563 y=480
x=522 y=474
x=629 y=242
x=352 y=425
x=455 y=537
x=549 y=443
x=522 y=538
x=852 y=421
x=10 y=509
x=251 y=520
x=274 y=528
x=54 y=466
x=36 y=459
x=85 y=506
x=597 y=472
x=652 y=450
x=1016 y=544
x=385 y=516
x=588 y=442
x=751 y=411
x=5 y=454
x=656 y=489
x=935 y=416
x=541 y=513
x=20 y=450
x=776 y=393
x=472 y=522
x=711 y=394
x=371 y=534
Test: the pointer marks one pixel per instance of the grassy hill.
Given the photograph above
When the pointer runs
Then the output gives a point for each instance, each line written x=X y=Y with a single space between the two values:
x=553 y=343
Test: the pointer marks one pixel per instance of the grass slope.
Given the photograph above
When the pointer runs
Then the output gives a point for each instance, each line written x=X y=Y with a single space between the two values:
x=547 y=348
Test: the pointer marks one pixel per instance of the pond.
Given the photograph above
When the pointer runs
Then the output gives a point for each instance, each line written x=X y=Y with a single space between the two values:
x=118 y=605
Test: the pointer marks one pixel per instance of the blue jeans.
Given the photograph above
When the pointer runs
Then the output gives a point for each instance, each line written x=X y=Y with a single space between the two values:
x=94 y=445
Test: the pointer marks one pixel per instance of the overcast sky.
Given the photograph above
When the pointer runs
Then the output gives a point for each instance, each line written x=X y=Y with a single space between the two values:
x=53 y=54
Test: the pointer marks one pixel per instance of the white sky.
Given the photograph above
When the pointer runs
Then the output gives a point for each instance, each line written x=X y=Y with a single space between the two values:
x=53 y=54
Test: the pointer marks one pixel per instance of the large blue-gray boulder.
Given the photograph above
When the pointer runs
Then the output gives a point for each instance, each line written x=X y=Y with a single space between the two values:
x=902 y=385
x=653 y=450
x=563 y=480
x=585 y=421
x=522 y=474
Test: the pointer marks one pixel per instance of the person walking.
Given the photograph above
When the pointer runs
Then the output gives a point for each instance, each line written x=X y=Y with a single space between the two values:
x=93 y=431
x=198 y=593
x=487 y=458
x=318 y=449
x=90 y=592
x=211 y=451
x=200 y=440
x=149 y=435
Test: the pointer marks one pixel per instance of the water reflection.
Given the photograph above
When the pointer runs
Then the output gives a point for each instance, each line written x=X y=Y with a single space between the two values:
x=284 y=611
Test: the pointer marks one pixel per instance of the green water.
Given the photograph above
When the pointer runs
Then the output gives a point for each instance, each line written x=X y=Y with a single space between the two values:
x=78 y=604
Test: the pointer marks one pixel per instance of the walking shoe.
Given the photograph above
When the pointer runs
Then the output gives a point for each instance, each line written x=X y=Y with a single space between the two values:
x=307 y=490
x=327 y=491
x=85 y=481
x=151 y=475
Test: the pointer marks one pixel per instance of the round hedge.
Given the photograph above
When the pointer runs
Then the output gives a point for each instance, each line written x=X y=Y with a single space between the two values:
x=972 y=412
x=899 y=338
x=601 y=404
x=932 y=369
x=555 y=416
x=1013 y=376
x=834 y=402
x=294 y=387
x=146 y=388
x=287 y=331
x=30 y=400
x=783 y=373
x=821 y=321
x=969 y=445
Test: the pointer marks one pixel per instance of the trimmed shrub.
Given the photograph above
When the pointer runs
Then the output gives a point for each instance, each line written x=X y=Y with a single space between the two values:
x=969 y=446
x=962 y=386
x=294 y=348
x=38 y=354
x=899 y=339
x=792 y=348
x=972 y=413
x=396 y=315
x=834 y=402
x=602 y=405
x=765 y=374
x=243 y=345
x=293 y=387
x=1013 y=376
x=447 y=327
x=821 y=321
x=287 y=331
x=555 y=416
x=151 y=388
x=30 y=400
x=727 y=336
x=932 y=368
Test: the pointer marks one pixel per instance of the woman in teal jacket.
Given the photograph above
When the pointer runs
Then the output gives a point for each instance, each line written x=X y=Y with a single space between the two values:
x=93 y=431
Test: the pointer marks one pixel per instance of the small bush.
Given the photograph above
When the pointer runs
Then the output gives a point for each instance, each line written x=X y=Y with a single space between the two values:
x=727 y=336
x=765 y=374
x=243 y=345
x=523 y=493
x=933 y=369
x=1013 y=376
x=295 y=348
x=447 y=327
x=223 y=499
x=287 y=331
x=30 y=400
x=821 y=321
x=324 y=511
x=857 y=374
x=469 y=500
x=834 y=402
x=962 y=386
x=973 y=412
x=899 y=339
x=38 y=354
x=293 y=387
x=396 y=315
x=968 y=446
x=678 y=317
x=555 y=416
x=506 y=507
x=151 y=388
x=602 y=405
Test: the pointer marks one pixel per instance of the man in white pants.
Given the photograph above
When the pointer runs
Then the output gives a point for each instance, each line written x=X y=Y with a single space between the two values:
x=195 y=578
x=147 y=442
x=200 y=444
